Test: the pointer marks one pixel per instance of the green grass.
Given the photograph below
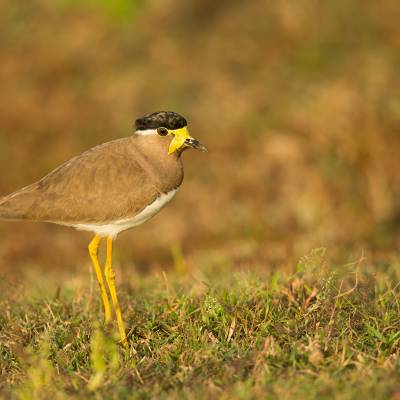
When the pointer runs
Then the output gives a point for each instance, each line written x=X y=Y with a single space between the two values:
x=322 y=332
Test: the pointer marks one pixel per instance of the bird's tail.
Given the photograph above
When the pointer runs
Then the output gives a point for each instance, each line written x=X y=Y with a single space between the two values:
x=6 y=213
x=3 y=214
x=14 y=206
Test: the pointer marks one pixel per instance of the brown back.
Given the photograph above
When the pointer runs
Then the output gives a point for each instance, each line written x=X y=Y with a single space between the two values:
x=112 y=181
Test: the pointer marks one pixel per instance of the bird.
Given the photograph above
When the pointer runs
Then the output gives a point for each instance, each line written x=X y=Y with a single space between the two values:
x=110 y=188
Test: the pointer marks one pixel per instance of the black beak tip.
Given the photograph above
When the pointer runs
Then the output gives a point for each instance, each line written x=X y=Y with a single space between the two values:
x=195 y=144
x=203 y=148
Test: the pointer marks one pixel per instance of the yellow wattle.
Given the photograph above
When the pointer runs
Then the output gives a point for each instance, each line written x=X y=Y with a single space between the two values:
x=180 y=135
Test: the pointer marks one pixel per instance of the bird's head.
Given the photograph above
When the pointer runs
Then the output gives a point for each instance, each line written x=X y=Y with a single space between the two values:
x=169 y=124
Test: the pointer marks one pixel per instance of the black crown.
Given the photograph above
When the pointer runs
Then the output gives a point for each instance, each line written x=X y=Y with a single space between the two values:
x=166 y=119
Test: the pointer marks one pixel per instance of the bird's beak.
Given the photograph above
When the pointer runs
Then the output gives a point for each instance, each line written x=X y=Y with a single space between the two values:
x=195 y=144
x=181 y=139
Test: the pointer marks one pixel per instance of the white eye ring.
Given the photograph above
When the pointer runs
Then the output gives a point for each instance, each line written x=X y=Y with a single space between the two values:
x=162 y=131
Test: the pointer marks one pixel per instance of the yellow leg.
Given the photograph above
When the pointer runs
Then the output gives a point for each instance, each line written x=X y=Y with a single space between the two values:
x=110 y=278
x=93 y=251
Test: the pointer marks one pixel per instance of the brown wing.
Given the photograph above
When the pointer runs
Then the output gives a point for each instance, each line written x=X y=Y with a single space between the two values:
x=103 y=184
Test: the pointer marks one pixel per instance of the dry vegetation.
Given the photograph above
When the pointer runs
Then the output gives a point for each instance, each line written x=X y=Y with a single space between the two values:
x=299 y=104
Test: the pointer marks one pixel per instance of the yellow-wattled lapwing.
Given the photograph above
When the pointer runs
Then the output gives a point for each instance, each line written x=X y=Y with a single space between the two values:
x=110 y=188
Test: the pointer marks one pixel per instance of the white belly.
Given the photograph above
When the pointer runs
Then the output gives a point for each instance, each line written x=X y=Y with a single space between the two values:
x=113 y=228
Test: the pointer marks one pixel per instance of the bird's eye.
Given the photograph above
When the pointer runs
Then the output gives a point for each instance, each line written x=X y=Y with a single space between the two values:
x=162 y=131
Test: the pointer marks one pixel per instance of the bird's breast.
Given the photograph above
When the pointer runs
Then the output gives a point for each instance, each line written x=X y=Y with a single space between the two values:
x=113 y=228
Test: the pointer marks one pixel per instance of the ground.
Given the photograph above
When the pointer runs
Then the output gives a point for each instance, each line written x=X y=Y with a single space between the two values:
x=324 y=331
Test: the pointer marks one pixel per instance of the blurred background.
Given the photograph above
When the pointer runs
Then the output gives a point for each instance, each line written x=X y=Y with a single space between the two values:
x=298 y=102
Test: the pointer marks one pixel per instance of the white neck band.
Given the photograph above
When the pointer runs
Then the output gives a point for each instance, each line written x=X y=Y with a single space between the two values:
x=146 y=132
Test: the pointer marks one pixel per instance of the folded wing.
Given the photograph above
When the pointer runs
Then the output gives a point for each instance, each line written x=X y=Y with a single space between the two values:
x=103 y=184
